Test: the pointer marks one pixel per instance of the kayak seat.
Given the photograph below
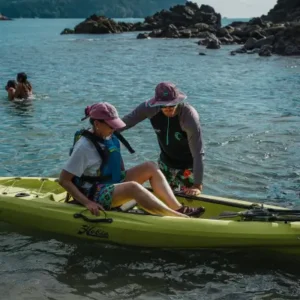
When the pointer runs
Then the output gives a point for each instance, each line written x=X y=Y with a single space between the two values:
x=128 y=205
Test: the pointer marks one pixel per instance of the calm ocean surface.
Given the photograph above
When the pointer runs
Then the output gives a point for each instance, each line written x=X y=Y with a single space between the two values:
x=250 y=115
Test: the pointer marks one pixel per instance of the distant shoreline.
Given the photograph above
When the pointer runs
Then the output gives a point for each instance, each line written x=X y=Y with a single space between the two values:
x=224 y=18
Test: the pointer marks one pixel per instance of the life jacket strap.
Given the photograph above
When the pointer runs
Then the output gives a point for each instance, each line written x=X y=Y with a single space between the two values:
x=122 y=139
x=95 y=140
x=93 y=179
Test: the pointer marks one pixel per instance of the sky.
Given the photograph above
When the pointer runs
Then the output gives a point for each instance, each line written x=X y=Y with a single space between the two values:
x=240 y=8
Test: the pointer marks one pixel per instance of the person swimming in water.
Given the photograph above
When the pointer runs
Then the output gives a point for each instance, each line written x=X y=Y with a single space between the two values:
x=11 y=89
x=24 y=87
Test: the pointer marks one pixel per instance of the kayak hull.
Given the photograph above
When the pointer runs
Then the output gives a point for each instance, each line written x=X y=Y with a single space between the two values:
x=38 y=203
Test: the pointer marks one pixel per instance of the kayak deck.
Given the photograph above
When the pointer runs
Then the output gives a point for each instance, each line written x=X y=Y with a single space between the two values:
x=40 y=203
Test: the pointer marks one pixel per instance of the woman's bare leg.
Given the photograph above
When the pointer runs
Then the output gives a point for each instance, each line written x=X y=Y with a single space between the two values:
x=150 y=171
x=126 y=191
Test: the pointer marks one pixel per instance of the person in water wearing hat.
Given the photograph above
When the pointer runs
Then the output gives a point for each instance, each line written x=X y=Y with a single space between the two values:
x=178 y=131
x=95 y=175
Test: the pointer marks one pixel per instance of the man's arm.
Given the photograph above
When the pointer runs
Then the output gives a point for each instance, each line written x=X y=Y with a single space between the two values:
x=190 y=123
x=138 y=115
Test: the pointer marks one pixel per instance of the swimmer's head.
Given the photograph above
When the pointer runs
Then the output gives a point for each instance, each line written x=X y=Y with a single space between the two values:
x=22 y=77
x=11 y=84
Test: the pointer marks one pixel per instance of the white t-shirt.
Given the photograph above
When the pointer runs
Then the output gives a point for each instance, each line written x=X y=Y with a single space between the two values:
x=84 y=160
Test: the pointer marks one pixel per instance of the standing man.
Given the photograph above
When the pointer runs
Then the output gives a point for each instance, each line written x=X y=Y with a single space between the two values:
x=178 y=131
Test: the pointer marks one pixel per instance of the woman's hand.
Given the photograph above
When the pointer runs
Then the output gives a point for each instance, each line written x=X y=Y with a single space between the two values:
x=94 y=207
x=65 y=180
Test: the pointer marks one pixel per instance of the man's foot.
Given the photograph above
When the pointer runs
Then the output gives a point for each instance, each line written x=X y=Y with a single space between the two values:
x=195 y=212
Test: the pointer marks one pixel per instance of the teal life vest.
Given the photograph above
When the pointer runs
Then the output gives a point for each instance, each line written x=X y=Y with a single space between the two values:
x=112 y=164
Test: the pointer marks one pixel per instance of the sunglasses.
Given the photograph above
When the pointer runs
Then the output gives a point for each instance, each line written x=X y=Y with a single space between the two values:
x=168 y=106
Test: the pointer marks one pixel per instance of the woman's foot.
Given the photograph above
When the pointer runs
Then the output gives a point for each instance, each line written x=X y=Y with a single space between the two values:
x=195 y=212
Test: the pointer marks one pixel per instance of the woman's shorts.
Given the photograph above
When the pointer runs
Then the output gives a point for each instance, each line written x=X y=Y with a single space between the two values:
x=103 y=193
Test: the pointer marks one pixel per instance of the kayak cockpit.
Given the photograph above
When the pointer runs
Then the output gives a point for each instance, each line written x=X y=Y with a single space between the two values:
x=48 y=189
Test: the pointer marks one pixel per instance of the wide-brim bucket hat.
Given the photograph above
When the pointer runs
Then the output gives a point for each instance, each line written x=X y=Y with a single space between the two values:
x=166 y=94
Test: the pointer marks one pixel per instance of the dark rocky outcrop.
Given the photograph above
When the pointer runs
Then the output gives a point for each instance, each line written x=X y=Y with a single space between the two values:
x=213 y=44
x=180 y=21
x=284 y=11
x=68 y=31
x=142 y=36
x=278 y=32
x=287 y=41
x=210 y=41
x=4 y=18
x=99 y=25
x=282 y=39
x=265 y=50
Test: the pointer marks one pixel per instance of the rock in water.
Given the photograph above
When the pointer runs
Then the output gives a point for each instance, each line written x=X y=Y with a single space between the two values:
x=67 y=31
x=4 y=18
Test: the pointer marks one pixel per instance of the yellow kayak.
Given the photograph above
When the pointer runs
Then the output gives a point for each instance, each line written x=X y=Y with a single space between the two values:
x=39 y=203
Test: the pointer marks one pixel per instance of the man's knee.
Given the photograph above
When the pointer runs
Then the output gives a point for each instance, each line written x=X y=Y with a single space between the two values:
x=151 y=166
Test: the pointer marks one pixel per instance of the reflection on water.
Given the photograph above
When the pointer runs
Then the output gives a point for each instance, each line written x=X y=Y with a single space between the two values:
x=64 y=268
x=19 y=107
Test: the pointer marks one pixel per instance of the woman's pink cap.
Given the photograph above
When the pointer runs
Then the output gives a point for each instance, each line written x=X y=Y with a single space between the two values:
x=106 y=112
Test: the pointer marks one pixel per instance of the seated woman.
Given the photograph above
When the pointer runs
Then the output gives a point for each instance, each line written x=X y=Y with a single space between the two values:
x=24 y=88
x=11 y=89
x=94 y=174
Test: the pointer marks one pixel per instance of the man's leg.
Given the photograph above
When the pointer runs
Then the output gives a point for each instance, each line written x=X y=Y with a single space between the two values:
x=170 y=175
x=185 y=178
